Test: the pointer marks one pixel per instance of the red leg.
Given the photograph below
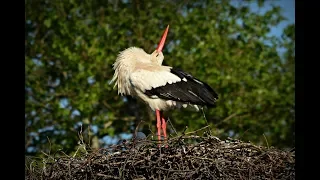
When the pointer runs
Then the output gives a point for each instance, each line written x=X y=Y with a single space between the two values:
x=164 y=129
x=158 y=124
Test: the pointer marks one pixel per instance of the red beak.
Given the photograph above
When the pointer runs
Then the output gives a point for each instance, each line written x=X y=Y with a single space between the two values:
x=163 y=40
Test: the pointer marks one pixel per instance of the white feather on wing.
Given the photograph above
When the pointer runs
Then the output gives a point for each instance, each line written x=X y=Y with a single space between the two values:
x=148 y=77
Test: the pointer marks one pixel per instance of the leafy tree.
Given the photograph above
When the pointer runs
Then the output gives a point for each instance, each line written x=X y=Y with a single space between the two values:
x=71 y=45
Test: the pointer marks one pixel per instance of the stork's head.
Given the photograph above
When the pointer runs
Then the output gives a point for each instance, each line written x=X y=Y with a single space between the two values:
x=128 y=59
x=157 y=56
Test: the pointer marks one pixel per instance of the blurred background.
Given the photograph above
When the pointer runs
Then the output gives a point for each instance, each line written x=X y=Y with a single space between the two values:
x=245 y=50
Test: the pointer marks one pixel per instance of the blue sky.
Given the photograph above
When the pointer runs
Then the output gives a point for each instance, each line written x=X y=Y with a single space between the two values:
x=288 y=7
x=288 y=11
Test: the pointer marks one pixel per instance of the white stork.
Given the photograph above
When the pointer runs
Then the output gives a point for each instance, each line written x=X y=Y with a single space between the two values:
x=142 y=75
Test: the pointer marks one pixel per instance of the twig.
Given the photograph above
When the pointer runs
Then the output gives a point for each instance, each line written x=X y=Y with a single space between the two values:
x=89 y=127
x=229 y=117
x=202 y=158
x=107 y=176
x=266 y=140
x=243 y=133
x=183 y=133
x=81 y=143
x=172 y=170
x=172 y=126
x=49 y=144
x=198 y=130
x=206 y=121
x=136 y=130
x=192 y=132
x=107 y=105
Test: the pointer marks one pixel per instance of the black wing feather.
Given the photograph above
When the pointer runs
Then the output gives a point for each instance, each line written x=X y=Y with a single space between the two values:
x=191 y=91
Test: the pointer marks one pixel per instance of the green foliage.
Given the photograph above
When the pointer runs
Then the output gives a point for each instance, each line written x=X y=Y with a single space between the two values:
x=71 y=46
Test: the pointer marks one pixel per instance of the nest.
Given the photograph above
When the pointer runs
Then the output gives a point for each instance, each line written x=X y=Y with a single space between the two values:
x=186 y=157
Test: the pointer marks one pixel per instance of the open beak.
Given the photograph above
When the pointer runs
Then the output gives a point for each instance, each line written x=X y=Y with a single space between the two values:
x=163 y=40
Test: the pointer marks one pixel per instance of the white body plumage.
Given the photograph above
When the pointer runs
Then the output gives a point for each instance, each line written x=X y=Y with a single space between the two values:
x=142 y=75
